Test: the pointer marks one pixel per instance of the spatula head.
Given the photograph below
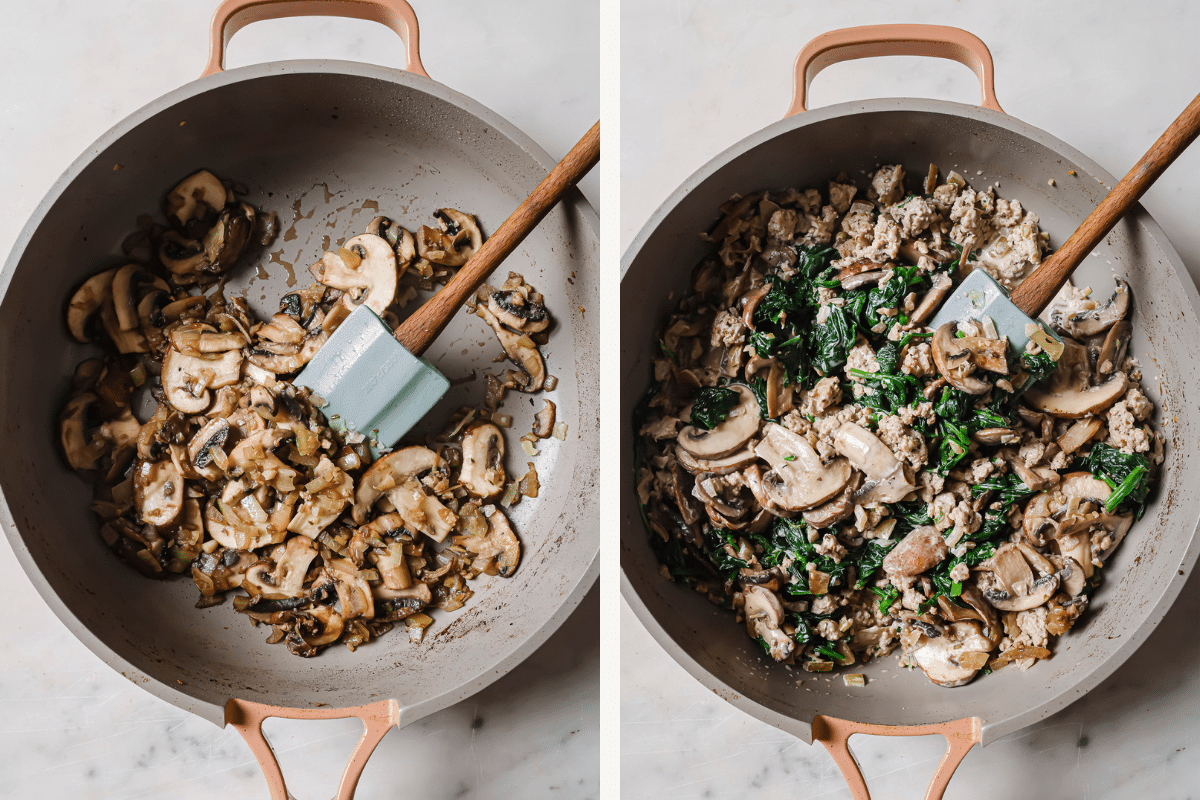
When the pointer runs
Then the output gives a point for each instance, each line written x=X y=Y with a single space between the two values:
x=979 y=295
x=370 y=382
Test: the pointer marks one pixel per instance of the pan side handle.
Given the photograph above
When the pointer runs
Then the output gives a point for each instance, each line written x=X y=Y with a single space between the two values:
x=233 y=15
x=961 y=735
x=247 y=719
x=870 y=41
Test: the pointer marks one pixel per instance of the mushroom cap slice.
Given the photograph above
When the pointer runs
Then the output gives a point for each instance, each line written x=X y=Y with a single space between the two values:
x=764 y=616
x=182 y=256
x=457 y=241
x=1075 y=404
x=1096 y=320
x=1009 y=583
x=952 y=358
x=520 y=349
x=195 y=196
x=837 y=509
x=72 y=433
x=86 y=301
x=500 y=543
x=1111 y=354
x=718 y=466
x=932 y=301
x=214 y=434
x=889 y=480
x=158 y=492
x=923 y=548
x=371 y=281
x=186 y=379
x=124 y=302
x=730 y=435
x=797 y=479
x=226 y=240
x=947 y=660
x=516 y=311
x=482 y=472
x=389 y=472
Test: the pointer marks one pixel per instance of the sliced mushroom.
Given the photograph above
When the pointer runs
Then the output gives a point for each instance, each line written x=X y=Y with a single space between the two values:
x=520 y=349
x=482 y=472
x=500 y=543
x=186 y=379
x=517 y=310
x=81 y=452
x=1096 y=320
x=730 y=435
x=131 y=341
x=391 y=471
x=402 y=242
x=182 y=256
x=195 y=197
x=282 y=329
x=1009 y=583
x=837 y=509
x=718 y=466
x=200 y=451
x=955 y=658
x=1111 y=355
x=1068 y=393
x=797 y=479
x=227 y=239
x=543 y=421
x=194 y=338
x=933 y=299
x=457 y=240
x=889 y=480
x=124 y=294
x=365 y=269
x=764 y=618
x=1079 y=434
x=158 y=492
x=957 y=359
x=922 y=549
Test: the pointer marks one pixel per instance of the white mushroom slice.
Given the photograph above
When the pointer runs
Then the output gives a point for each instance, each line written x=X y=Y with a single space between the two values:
x=158 y=492
x=932 y=301
x=86 y=301
x=401 y=241
x=391 y=471
x=125 y=341
x=957 y=359
x=482 y=471
x=227 y=239
x=1110 y=530
x=1111 y=354
x=516 y=311
x=1079 y=434
x=365 y=269
x=392 y=565
x=183 y=257
x=200 y=451
x=421 y=511
x=186 y=379
x=292 y=560
x=284 y=359
x=718 y=466
x=1094 y=321
x=520 y=349
x=797 y=479
x=457 y=240
x=1071 y=577
x=418 y=592
x=923 y=548
x=81 y=453
x=889 y=480
x=1074 y=404
x=954 y=658
x=730 y=435
x=764 y=616
x=124 y=300
x=282 y=329
x=1009 y=583
x=500 y=543
x=834 y=511
x=193 y=338
x=317 y=510
x=196 y=196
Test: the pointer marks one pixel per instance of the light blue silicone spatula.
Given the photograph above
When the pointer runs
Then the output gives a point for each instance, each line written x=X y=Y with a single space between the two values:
x=1015 y=315
x=373 y=378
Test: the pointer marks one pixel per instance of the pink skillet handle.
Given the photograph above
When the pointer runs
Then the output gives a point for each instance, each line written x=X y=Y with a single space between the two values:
x=247 y=718
x=961 y=735
x=233 y=15
x=870 y=41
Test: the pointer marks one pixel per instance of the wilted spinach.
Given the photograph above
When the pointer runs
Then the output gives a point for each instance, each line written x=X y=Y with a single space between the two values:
x=711 y=406
x=1128 y=475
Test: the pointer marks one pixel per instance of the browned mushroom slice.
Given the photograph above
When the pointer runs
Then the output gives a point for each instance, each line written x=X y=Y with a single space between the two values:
x=1079 y=434
x=517 y=306
x=194 y=338
x=933 y=299
x=719 y=466
x=457 y=240
x=482 y=472
x=520 y=349
x=1097 y=320
x=200 y=450
x=182 y=256
x=158 y=492
x=764 y=618
x=751 y=300
x=797 y=479
x=323 y=503
x=81 y=451
x=1009 y=583
x=281 y=329
x=186 y=379
x=365 y=269
x=957 y=358
x=391 y=471
x=195 y=197
x=1111 y=356
x=837 y=509
x=500 y=543
x=227 y=239
x=922 y=549
x=730 y=435
x=1067 y=403
x=543 y=421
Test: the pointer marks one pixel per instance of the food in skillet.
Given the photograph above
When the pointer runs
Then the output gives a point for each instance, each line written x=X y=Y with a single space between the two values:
x=852 y=482
x=238 y=480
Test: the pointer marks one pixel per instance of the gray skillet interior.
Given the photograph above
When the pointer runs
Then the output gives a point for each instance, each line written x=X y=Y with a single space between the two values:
x=985 y=147
x=320 y=143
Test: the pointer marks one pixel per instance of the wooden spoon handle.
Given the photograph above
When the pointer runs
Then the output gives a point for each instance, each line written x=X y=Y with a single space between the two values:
x=423 y=326
x=1036 y=292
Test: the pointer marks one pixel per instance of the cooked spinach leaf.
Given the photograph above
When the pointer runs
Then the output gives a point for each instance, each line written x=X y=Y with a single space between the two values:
x=1128 y=475
x=711 y=406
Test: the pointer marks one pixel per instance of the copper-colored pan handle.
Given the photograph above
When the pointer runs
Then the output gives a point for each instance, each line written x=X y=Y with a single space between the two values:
x=233 y=15
x=247 y=718
x=869 y=41
x=961 y=735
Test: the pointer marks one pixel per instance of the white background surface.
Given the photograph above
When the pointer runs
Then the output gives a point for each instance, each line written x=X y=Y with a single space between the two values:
x=1105 y=76
x=72 y=728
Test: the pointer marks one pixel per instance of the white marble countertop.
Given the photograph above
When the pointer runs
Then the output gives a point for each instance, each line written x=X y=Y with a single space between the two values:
x=1105 y=76
x=72 y=728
